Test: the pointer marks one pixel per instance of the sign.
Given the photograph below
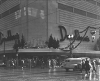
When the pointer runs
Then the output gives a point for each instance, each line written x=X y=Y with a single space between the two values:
x=63 y=33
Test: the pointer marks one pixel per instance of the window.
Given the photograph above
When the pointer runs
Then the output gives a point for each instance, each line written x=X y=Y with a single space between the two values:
x=12 y=10
x=29 y=11
x=92 y=1
x=81 y=12
x=91 y=15
x=65 y=7
x=34 y=12
x=17 y=14
x=24 y=10
x=5 y=13
x=67 y=60
x=42 y=14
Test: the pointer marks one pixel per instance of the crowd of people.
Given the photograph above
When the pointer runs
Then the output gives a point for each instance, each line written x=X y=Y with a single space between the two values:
x=35 y=62
x=89 y=66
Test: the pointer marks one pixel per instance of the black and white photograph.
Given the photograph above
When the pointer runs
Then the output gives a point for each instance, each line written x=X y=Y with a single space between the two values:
x=49 y=40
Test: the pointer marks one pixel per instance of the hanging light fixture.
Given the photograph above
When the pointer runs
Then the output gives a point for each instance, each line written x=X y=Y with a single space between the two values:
x=93 y=32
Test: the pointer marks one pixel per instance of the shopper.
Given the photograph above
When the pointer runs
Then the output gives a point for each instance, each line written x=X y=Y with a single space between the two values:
x=94 y=65
x=83 y=65
x=88 y=67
